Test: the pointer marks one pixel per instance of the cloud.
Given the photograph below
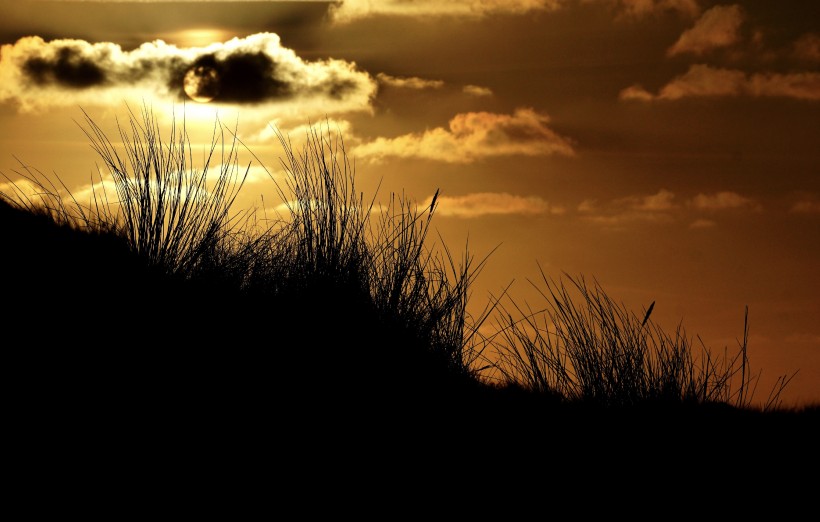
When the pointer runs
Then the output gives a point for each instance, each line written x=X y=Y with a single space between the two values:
x=661 y=201
x=492 y=203
x=722 y=201
x=409 y=82
x=641 y=8
x=475 y=90
x=807 y=48
x=657 y=207
x=702 y=223
x=704 y=81
x=255 y=70
x=345 y=11
x=296 y=131
x=661 y=207
x=806 y=207
x=472 y=136
x=349 y=10
x=717 y=27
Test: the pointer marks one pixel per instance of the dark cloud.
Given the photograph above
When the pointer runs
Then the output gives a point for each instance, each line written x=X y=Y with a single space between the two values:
x=244 y=77
x=67 y=67
x=252 y=70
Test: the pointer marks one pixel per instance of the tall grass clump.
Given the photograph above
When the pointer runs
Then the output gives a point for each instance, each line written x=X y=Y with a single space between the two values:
x=585 y=347
x=171 y=212
x=417 y=293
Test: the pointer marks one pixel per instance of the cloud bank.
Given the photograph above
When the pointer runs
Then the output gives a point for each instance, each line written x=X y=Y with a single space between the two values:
x=255 y=70
x=661 y=207
x=705 y=81
x=472 y=136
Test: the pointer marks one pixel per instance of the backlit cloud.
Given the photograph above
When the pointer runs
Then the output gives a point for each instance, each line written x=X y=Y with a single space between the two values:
x=473 y=136
x=704 y=81
x=717 y=27
x=255 y=70
x=409 y=82
x=492 y=203
x=476 y=90
x=348 y=10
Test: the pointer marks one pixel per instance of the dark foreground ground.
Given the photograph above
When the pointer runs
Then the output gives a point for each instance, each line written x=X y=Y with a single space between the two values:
x=115 y=370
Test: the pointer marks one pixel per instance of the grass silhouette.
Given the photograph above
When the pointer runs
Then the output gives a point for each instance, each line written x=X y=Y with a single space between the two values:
x=167 y=302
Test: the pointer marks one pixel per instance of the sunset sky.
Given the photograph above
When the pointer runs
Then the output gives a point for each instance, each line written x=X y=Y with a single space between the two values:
x=668 y=149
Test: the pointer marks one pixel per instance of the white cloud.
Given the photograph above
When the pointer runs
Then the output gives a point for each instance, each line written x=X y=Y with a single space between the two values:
x=717 y=27
x=473 y=136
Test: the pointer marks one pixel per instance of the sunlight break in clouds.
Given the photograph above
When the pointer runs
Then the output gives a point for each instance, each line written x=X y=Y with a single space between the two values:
x=704 y=81
x=472 y=136
x=255 y=70
x=718 y=27
x=492 y=203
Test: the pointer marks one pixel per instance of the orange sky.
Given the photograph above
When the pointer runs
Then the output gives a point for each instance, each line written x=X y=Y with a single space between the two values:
x=667 y=148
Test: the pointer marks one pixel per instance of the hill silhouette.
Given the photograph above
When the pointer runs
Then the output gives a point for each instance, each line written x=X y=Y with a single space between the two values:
x=313 y=334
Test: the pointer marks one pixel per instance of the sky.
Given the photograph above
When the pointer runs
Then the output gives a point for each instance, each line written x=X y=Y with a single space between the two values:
x=667 y=149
